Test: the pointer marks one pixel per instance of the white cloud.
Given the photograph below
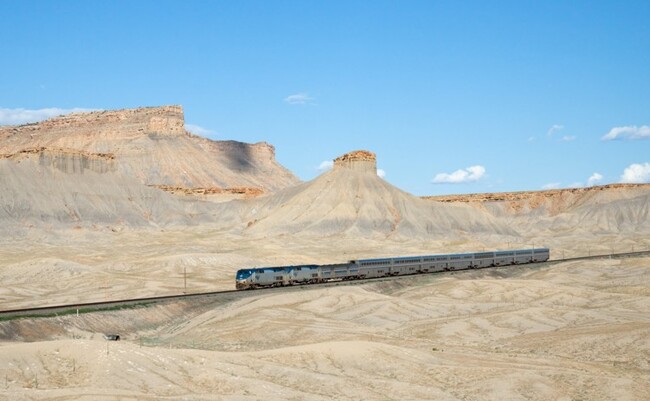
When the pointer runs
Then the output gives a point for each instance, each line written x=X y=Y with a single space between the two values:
x=198 y=130
x=24 y=116
x=299 y=98
x=381 y=173
x=594 y=179
x=555 y=128
x=326 y=165
x=470 y=174
x=636 y=173
x=628 y=132
x=552 y=185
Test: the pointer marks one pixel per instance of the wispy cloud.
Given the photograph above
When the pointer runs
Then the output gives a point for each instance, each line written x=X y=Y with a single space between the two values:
x=198 y=130
x=326 y=165
x=381 y=173
x=469 y=174
x=551 y=185
x=299 y=98
x=636 y=173
x=24 y=116
x=629 y=132
x=594 y=179
x=555 y=128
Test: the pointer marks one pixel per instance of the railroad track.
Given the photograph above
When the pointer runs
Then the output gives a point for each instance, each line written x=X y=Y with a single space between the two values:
x=58 y=310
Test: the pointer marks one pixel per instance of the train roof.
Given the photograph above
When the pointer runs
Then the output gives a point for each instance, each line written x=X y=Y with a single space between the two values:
x=450 y=255
x=278 y=268
x=312 y=266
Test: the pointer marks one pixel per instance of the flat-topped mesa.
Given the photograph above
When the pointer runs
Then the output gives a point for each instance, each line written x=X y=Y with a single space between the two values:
x=169 y=120
x=358 y=160
x=163 y=120
x=149 y=144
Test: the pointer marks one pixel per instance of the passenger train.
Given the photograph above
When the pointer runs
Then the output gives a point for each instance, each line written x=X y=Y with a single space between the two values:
x=384 y=267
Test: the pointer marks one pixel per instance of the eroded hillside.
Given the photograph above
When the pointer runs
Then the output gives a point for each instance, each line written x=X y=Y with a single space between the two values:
x=559 y=199
x=593 y=210
x=152 y=145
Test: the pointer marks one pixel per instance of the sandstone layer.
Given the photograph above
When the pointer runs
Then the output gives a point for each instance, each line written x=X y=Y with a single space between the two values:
x=360 y=160
x=533 y=198
x=600 y=209
x=151 y=145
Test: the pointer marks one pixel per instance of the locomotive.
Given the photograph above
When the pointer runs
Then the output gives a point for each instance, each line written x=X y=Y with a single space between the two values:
x=383 y=267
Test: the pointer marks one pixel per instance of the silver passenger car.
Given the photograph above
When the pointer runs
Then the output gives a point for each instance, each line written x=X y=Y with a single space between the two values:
x=383 y=267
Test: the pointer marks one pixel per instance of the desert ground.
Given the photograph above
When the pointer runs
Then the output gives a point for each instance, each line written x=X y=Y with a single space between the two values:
x=571 y=331
x=83 y=218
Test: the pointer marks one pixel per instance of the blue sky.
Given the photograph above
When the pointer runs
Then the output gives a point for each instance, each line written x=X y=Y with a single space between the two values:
x=492 y=96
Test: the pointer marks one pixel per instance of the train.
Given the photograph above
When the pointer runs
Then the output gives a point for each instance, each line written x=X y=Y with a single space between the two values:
x=279 y=276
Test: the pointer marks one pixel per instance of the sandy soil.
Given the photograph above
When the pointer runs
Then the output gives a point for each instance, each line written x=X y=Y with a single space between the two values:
x=68 y=266
x=575 y=331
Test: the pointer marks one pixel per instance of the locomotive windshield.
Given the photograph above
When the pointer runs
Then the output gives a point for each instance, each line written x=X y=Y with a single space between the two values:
x=243 y=274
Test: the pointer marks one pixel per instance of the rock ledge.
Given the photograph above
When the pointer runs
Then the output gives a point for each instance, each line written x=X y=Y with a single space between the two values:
x=358 y=160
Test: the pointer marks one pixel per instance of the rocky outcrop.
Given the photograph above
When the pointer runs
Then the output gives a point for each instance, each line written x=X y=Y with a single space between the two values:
x=358 y=160
x=600 y=209
x=151 y=145
x=242 y=191
x=94 y=126
x=66 y=160
x=553 y=201
x=54 y=151
x=528 y=195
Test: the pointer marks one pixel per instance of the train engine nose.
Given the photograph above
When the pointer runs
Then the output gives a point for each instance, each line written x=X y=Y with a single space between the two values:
x=243 y=279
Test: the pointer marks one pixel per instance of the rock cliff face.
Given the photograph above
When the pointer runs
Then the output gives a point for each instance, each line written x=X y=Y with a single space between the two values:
x=151 y=145
x=553 y=201
x=601 y=209
x=85 y=130
x=66 y=160
x=358 y=160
